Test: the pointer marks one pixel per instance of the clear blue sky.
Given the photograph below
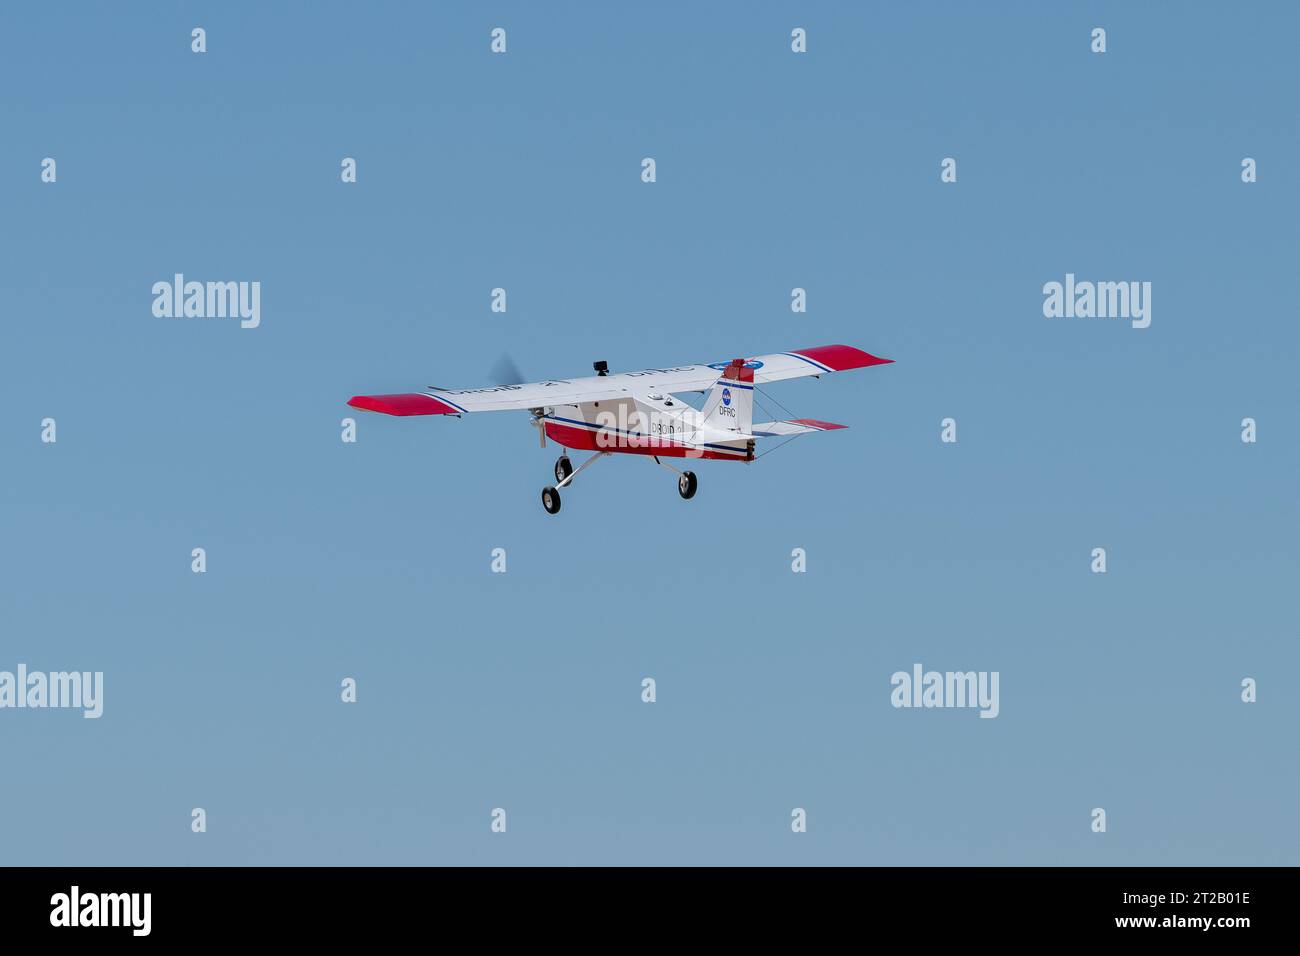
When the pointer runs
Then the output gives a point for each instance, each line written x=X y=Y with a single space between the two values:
x=522 y=690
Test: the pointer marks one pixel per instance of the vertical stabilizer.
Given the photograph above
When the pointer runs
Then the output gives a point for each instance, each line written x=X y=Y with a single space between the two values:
x=730 y=405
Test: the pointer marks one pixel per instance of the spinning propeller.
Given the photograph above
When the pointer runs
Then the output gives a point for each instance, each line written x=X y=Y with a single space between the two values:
x=506 y=372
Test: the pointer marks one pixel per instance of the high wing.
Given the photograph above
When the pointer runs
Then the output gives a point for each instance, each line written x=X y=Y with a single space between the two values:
x=776 y=367
x=441 y=401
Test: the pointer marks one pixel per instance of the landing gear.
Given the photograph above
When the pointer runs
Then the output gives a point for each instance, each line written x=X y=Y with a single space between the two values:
x=564 y=474
x=687 y=484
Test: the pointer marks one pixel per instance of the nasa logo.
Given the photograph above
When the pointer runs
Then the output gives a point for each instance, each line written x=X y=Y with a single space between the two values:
x=726 y=396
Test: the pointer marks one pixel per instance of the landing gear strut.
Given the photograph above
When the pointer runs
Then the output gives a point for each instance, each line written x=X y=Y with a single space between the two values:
x=564 y=473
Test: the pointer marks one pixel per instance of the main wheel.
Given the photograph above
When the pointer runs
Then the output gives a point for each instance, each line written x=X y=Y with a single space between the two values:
x=551 y=500
x=563 y=468
x=687 y=484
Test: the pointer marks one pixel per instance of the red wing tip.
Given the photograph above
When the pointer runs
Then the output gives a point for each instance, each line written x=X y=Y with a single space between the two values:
x=841 y=358
x=409 y=403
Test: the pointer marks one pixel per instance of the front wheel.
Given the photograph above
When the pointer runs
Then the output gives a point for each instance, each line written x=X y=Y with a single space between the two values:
x=551 y=500
x=687 y=484
x=563 y=468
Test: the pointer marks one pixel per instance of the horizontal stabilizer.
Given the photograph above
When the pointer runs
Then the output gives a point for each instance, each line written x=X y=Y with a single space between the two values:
x=798 y=426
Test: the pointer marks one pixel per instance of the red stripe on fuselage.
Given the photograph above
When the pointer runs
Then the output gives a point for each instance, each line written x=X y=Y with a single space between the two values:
x=587 y=440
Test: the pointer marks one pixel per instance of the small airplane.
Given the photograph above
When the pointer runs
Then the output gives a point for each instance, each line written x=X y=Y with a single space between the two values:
x=635 y=412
